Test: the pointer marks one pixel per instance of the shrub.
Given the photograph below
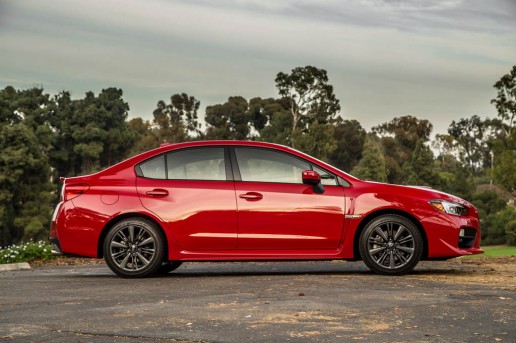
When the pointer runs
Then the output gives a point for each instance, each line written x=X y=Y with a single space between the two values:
x=26 y=252
x=510 y=232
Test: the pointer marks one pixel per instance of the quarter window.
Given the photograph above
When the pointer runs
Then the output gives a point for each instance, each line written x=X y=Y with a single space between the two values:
x=327 y=179
x=262 y=165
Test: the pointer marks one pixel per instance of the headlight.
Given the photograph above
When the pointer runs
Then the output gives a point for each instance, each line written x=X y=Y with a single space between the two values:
x=449 y=207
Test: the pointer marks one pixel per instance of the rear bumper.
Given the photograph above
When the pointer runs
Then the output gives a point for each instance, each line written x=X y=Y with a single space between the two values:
x=56 y=246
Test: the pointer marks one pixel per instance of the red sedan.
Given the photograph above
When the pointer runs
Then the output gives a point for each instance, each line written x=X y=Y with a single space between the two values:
x=242 y=201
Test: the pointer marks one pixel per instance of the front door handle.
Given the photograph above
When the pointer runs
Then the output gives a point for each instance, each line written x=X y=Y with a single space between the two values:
x=158 y=192
x=251 y=196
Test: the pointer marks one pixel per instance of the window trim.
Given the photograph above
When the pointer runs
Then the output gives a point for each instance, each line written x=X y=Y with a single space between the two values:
x=227 y=164
x=238 y=177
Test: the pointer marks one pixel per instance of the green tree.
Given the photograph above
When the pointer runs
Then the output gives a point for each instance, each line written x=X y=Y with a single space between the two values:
x=399 y=138
x=177 y=121
x=26 y=194
x=494 y=214
x=230 y=120
x=421 y=169
x=91 y=133
x=311 y=99
x=372 y=165
x=146 y=137
x=504 y=148
x=319 y=142
x=469 y=136
x=277 y=126
x=349 y=136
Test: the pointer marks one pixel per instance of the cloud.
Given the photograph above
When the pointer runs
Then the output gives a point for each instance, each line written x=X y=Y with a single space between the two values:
x=385 y=58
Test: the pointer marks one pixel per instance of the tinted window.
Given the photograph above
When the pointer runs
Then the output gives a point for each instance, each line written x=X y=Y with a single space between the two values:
x=197 y=164
x=154 y=168
x=264 y=165
x=327 y=179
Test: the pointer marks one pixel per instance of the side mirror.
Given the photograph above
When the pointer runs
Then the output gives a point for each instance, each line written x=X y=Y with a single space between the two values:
x=313 y=178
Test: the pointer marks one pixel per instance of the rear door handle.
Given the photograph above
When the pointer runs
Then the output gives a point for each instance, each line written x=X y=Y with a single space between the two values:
x=158 y=192
x=251 y=196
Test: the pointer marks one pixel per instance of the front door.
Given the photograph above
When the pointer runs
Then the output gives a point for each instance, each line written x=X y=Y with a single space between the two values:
x=277 y=211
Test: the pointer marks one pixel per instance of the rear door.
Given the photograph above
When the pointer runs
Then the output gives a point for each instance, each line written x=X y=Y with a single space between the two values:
x=193 y=193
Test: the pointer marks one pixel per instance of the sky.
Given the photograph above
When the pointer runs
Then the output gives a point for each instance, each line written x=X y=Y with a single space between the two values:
x=435 y=60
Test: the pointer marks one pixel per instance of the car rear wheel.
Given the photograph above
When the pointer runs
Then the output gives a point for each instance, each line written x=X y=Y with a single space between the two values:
x=391 y=245
x=134 y=247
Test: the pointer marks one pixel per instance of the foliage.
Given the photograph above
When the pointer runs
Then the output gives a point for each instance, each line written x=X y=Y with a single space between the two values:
x=43 y=138
x=505 y=145
x=372 y=165
x=25 y=252
x=311 y=100
x=349 y=137
x=229 y=120
x=421 y=170
x=90 y=133
x=494 y=213
x=177 y=121
x=399 y=138
x=510 y=232
x=26 y=194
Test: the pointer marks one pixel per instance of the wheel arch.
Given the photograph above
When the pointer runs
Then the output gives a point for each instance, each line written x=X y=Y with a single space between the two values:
x=376 y=214
x=113 y=221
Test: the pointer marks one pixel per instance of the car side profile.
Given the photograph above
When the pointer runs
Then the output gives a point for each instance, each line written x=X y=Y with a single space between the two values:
x=249 y=201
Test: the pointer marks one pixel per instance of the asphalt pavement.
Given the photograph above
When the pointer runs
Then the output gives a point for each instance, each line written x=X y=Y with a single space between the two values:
x=252 y=302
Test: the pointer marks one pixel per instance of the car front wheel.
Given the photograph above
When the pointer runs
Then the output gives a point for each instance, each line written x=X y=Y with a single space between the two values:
x=134 y=247
x=391 y=245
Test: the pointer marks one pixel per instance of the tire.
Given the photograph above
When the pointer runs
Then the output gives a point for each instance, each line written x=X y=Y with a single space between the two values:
x=167 y=267
x=134 y=248
x=391 y=245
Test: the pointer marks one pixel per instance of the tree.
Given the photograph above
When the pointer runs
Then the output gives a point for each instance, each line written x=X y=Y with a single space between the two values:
x=25 y=191
x=311 y=98
x=399 y=138
x=468 y=134
x=146 y=137
x=421 y=169
x=504 y=147
x=91 y=133
x=494 y=214
x=349 y=136
x=319 y=142
x=372 y=165
x=177 y=121
x=505 y=101
x=229 y=120
x=276 y=127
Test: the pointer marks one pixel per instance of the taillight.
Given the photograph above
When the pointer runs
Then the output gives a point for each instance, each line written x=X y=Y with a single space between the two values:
x=74 y=190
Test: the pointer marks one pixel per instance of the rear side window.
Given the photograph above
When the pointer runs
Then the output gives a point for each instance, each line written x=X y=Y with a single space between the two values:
x=188 y=164
x=197 y=164
x=154 y=168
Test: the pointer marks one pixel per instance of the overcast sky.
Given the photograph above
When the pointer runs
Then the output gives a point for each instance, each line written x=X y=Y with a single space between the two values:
x=435 y=60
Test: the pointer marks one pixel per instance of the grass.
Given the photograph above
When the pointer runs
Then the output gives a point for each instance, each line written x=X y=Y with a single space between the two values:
x=497 y=251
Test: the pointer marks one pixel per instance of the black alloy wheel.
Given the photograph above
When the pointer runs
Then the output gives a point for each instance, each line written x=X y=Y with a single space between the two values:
x=391 y=245
x=134 y=247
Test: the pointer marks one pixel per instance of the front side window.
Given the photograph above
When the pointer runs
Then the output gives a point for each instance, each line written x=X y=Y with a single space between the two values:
x=263 y=165
x=197 y=164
